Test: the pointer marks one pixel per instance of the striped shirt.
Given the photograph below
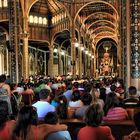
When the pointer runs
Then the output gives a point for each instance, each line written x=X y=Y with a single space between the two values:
x=116 y=113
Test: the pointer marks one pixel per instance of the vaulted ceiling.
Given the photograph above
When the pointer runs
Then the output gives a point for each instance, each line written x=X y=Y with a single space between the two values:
x=98 y=17
x=46 y=7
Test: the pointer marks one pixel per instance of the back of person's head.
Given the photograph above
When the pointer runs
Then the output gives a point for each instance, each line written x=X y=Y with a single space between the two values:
x=44 y=93
x=27 y=116
x=93 y=115
x=87 y=87
x=103 y=94
x=75 y=84
x=137 y=120
x=75 y=95
x=111 y=101
x=51 y=118
x=113 y=88
x=132 y=90
x=2 y=78
x=69 y=87
x=86 y=99
x=3 y=113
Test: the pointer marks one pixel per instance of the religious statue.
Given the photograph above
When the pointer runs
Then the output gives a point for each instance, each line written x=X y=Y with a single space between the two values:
x=106 y=65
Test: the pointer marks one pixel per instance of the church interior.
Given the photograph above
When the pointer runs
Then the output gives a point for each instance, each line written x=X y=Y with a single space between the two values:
x=51 y=50
x=70 y=37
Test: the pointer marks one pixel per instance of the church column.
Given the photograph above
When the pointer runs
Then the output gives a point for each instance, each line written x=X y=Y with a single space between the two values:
x=73 y=58
x=135 y=44
x=14 y=39
x=25 y=53
x=60 y=62
x=128 y=42
x=80 y=61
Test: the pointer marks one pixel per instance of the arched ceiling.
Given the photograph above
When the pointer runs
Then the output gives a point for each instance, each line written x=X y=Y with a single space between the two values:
x=99 y=18
x=47 y=7
x=63 y=38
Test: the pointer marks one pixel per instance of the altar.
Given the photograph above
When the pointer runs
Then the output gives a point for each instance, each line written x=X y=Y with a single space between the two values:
x=106 y=65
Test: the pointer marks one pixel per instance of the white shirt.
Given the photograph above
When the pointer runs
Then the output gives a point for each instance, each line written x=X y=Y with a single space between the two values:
x=78 y=103
x=43 y=108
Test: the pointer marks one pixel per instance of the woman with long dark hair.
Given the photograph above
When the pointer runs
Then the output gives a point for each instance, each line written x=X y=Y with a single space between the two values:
x=112 y=109
x=27 y=129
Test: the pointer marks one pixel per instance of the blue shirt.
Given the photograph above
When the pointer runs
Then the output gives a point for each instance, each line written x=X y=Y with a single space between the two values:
x=68 y=94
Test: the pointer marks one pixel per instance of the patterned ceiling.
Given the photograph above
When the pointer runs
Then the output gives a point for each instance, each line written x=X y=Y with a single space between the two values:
x=98 y=15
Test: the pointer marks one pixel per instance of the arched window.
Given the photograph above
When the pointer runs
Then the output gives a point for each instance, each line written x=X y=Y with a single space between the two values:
x=45 y=21
x=0 y=3
x=40 y=20
x=36 y=19
x=31 y=19
x=5 y=3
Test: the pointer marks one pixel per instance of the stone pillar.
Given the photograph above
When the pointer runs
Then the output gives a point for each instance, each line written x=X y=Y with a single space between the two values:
x=60 y=63
x=14 y=39
x=135 y=44
x=73 y=57
x=25 y=55
x=80 y=62
x=128 y=43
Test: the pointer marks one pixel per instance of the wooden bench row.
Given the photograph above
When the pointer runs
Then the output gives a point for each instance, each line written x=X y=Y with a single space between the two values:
x=119 y=128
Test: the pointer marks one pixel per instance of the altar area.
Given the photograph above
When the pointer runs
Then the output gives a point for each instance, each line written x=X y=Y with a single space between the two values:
x=107 y=60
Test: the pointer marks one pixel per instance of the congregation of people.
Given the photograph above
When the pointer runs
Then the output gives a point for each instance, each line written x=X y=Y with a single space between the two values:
x=33 y=108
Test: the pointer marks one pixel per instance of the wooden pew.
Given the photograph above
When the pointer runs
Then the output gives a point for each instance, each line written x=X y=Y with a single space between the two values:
x=119 y=128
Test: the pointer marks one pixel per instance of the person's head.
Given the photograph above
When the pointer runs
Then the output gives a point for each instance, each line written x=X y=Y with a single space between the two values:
x=95 y=95
x=3 y=112
x=75 y=95
x=51 y=118
x=113 y=88
x=103 y=94
x=132 y=91
x=2 y=78
x=76 y=85
x=137 y=120
x=27 y=116
x=93 y=115
x=86 y=99
x=44 y=94
x=111 y=101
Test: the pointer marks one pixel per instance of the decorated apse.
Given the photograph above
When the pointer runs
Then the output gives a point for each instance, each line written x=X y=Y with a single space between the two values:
x=107 y=58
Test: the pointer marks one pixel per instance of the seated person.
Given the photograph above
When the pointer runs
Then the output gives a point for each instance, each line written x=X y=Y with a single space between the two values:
x=86 y=99
x=43 y=106
x=112 y=110
x=93 y=130
x=132 y=100
x=135 y=135
x=27 y=128
x=75 y=99
x=52 y=118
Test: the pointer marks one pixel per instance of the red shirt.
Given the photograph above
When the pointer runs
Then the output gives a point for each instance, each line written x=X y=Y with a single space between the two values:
x=95 y=133
x=5 y=133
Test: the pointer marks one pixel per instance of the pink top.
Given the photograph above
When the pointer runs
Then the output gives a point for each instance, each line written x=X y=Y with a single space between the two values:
x=95 y=133
x=116 y=113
